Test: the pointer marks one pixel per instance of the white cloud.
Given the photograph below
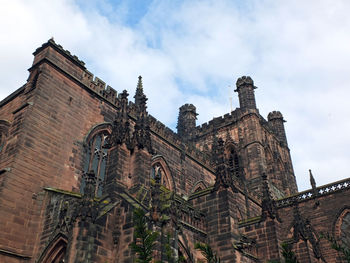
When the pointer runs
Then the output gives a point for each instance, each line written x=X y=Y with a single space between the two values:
x=297 y=52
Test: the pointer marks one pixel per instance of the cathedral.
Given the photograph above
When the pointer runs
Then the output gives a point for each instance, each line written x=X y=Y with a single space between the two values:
x=78 y=158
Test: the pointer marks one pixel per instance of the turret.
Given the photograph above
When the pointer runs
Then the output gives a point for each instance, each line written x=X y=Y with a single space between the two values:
x=245 y=89
x=276 y=121
x=187 y=121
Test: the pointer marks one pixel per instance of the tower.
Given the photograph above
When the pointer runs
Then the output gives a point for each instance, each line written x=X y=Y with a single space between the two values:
x=276 y=121
x=245 y=89
x=187 y=121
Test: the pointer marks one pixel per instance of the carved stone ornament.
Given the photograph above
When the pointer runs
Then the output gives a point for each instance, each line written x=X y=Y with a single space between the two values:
x=303 y=230
x=121 y=126
x=222 y=176
x=268 y=205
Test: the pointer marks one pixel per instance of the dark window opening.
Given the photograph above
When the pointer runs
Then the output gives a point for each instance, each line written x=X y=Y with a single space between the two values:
x=233 y=163
x=96 y=159
x=158 y=171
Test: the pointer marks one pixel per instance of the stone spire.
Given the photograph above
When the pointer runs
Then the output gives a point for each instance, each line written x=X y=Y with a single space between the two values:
x=313 y=183
x=139 y=92
x=141 y=135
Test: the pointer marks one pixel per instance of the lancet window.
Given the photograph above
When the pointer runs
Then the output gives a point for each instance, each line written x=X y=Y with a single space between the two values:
x=158 y=173
x=96 y=159
x=233 y=163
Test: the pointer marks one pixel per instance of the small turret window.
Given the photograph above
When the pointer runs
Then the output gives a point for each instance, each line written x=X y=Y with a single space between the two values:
x=96 y=160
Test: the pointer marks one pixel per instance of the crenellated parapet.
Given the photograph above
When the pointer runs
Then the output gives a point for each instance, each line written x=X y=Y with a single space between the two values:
x=74 y=68
x=51 y=42
x=225 y=120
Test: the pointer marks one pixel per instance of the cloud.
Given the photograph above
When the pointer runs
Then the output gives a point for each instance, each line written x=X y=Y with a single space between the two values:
x=191 y=51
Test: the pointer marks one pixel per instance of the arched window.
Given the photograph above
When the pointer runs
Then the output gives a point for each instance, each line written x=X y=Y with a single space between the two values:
x=345 y=230
x=233 y=163
x=158 y=171
x=198 y=186
x=55 y=252
x=96 y=158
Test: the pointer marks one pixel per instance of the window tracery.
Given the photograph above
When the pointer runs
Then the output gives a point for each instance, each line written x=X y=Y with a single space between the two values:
x=345 y=230
x=96 y=160
x=233 y=163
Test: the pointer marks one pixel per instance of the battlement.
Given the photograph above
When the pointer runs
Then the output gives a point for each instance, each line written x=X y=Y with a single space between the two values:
x=166 y=133
x=224 y=120
x=74 y=68
x=51 y=42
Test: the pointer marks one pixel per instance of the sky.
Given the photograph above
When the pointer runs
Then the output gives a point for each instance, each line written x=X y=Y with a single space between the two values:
x=297 y=52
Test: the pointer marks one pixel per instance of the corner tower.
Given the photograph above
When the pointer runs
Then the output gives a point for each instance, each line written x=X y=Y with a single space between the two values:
x=186 y=123
x=245 y=88
x=276 y=122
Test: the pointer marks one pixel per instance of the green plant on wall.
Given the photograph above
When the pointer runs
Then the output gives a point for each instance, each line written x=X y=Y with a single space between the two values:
x=287 y=253
x=144 y=239
x=207 y=252
x=169 y=252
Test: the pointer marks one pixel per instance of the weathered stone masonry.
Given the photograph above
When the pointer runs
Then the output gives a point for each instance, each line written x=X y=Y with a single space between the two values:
x=77 y=157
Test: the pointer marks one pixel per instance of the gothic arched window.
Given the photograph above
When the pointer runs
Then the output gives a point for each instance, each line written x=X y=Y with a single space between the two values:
x=233 y=163
x=158 y=172
x=345 y=230
x=96 y=159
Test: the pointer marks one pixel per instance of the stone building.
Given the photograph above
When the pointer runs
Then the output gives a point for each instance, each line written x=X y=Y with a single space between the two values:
x=77 y=158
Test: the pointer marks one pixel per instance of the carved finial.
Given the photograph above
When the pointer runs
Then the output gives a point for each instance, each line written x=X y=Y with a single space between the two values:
x=141 y=136
x=139 y=84
x=139 y=92
x=312 y=180
x=121 y=126
x=313 y=183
